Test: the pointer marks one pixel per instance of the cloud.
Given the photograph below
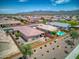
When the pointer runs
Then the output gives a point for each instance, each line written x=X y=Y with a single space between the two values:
x=56 y=2
x=61 y=1
x=23 y=0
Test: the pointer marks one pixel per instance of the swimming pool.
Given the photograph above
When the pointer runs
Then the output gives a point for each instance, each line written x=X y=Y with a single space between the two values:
x=60 y=33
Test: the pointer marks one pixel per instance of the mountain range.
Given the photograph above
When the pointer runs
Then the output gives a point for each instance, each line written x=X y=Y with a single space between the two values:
x=74 y=12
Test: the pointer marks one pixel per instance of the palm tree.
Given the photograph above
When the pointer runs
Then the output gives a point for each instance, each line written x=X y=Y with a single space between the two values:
x=26 y=49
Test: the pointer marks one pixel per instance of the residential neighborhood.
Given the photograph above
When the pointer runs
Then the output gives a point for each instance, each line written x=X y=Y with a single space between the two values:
x=37 y=40
x=39 y=29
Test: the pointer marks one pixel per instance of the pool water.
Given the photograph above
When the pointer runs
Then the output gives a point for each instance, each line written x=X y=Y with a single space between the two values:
x=60 y=33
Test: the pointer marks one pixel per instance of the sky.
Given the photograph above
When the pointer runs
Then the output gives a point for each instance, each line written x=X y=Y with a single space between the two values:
x=16 y=6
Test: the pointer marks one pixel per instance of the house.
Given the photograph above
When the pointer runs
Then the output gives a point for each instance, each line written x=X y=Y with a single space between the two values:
x=28 y=33
x=49 y=50
x=7 y=23
x=34 y=19
x=54 y=19
x=8 y=49
x=46 y=27
x=59 y=25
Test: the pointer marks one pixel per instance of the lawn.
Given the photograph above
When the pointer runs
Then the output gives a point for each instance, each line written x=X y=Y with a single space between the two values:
x=72 y=22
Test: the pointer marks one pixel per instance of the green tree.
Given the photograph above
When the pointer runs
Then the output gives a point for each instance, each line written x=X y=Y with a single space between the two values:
x=53 y=33
x=24 y=21
x=21 y=20
x=72 y=22
x=77 y=57
x=45 y=21
x=26 y=49
x=17 y=34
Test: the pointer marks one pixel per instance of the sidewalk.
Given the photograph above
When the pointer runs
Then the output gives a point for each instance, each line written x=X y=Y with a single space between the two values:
x=73 y=54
